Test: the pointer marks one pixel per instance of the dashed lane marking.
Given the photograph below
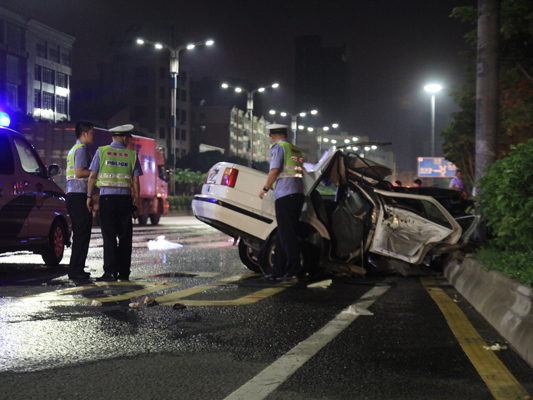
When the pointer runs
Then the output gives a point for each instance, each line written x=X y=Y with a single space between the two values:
x=268 y=380
x=494 y=373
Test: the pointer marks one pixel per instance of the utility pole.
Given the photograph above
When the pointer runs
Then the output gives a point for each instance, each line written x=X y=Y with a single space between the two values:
x=487 y=102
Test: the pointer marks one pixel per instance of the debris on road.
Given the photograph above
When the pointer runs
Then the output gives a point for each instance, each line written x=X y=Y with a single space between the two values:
x=178 y=306
x=161 y=283
x=161 y=244
x=356 y=310
x=96 y=303
x=150 y=302
x=135 y=305
x=495 y=347
x=321 y=284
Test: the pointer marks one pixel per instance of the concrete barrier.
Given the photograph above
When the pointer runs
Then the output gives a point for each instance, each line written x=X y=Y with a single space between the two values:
x=503 y=302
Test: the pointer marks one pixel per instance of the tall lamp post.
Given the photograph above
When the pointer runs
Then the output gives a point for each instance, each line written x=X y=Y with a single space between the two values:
x=174 y=72
x=432 y=88
x=294 y=120
x=250 y=108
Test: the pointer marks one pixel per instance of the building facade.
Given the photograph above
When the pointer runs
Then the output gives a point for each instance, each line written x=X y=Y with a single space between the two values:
x=35 y=68
x=228 y=128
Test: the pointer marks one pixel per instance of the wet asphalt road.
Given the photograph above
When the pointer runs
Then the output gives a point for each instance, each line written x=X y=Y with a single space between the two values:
x=55 y=345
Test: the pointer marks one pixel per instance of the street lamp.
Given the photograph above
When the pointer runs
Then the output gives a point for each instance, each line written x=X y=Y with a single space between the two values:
x=174 y=72
x=294 y=120
x=250 y=107
x=432 y=88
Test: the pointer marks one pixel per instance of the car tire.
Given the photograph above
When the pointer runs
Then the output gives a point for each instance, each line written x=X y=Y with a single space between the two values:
x=56 y=245
x=248 y=258
x=266 y=256
x=154 y=218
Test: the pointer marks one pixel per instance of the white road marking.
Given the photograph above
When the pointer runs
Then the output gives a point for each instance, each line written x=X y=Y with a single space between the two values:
x=268 y=380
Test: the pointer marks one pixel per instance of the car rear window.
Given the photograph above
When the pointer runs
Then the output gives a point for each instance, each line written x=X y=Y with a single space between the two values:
x=7 y=165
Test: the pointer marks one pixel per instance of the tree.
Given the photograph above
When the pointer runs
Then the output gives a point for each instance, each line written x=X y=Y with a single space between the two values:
x=515 y=85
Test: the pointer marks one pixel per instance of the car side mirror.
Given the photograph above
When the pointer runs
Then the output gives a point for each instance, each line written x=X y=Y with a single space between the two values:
x=54 y=169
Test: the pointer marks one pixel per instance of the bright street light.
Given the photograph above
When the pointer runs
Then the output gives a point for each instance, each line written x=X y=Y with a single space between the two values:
x=310 y=129
x=174 y=72
x=355 y=139
x=325 y=140
x=294 y=120
x=301 y=127
x=326 y=128
x=432 y=88
x=346 y=141
x=373 y=147
x=250 y=108
x=333 y=141
x=335 y=125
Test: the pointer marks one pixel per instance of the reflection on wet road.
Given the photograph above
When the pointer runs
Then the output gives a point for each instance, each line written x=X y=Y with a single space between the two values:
x=233 y=334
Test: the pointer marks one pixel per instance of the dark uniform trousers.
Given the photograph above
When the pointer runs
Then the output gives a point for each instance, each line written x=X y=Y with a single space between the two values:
x=287 y=258
x=116 y=222
x=82 y=221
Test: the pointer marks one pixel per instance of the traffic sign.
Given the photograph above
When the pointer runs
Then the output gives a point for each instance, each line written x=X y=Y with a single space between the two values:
x=435 y=167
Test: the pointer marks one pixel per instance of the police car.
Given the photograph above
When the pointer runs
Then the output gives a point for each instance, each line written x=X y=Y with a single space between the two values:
x=350 y=216
x=33 y=210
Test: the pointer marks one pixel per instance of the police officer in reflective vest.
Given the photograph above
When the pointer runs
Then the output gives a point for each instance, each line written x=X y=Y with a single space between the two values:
x=286 y=170
x=115 y=169
x=78 y=162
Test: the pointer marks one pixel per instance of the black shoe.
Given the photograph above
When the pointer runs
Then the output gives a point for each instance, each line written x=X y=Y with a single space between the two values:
x=107 y=277
x=288 y=278
x=270 y=277
x=123 y=277
x=80 y=275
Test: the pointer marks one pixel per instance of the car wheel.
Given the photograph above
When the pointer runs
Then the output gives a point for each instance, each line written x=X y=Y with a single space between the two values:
x=143 y=219
x=267 y=255
x=248 y=257
x=56 y=245
x=154 y=218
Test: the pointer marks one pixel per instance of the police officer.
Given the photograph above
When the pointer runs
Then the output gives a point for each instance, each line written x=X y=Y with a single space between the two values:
x=78 y=162
x=115 y=169
x=286 y=169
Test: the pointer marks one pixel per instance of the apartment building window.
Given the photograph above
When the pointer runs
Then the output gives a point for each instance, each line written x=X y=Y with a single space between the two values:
x=36 y=98
x=162 y=112
x=48 y=101
x=202 y=116
x=15 y=36
x=183 y=135
x=12 y=68
x=66 y=57
x=162 y=92
x=183 y=95
x=62 y=80
x=61 y=104
x=49 y=76
x=41 y=48
x=183 y=116
x=162 y=133
x=12 y=95
x=38 y=71
x=53 y=53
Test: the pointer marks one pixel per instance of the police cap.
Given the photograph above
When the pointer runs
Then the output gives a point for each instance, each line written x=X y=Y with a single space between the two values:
x=277 y=129
x=122 y=130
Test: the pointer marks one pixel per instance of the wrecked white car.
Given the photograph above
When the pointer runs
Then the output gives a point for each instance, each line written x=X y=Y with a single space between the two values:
x=350 y=220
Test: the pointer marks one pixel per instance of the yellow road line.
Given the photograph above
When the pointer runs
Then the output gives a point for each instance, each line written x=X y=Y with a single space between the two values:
x=250 y=299
x=64 y=294
x=170 y=298
x=497 y=377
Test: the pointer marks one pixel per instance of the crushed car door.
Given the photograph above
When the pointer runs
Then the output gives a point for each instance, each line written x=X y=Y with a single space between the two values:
x=408 y=226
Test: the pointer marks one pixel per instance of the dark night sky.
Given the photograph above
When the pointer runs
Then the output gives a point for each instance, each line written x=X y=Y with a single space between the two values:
x=395 y=48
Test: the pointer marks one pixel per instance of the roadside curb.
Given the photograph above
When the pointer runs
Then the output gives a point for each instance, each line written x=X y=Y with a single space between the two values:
x=503 y=302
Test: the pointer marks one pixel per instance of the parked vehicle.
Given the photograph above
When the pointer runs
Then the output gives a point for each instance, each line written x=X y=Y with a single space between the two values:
x=33 y=209
x=53 y=142
x=349 y=214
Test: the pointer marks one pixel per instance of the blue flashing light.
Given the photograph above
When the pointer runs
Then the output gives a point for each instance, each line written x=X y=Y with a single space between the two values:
x=4 y=119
